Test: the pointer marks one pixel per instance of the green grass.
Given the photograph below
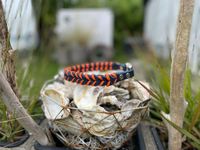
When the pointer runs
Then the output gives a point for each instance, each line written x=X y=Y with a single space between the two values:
x=32 y=72
x=32 y=76
x=161 y=89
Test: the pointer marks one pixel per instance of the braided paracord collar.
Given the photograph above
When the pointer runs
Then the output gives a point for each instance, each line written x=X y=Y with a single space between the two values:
x=78 y=73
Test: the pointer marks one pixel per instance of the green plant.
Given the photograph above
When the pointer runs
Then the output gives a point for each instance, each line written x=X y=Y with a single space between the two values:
x=160 y=93
x=31 y=75
x=9 y=127
x=30 y=72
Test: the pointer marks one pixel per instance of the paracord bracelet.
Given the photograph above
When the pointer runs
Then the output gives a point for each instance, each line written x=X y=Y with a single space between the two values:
x=78 y=73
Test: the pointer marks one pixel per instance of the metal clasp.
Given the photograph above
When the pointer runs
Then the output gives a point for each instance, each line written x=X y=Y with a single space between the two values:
x=129 y=66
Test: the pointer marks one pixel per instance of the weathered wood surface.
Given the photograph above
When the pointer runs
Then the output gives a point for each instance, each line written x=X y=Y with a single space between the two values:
x=8 y=89
x=148 y=137
x=14 y=106
x=178 y=68
x=167 y=35
x=7 y=65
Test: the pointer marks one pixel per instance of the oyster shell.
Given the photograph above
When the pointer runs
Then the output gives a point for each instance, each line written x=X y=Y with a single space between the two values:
x=100 y=122
x=119 y=93
x=136 y=89
x=112 y=100
x=55 y=100
x=96 y=114
x=96 y=118
x=128 y=107
x=85 y=97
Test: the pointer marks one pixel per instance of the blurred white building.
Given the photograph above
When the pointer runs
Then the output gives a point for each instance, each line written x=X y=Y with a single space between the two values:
x=160 y=29
x=84 y=32
x=21 y=24
x=95 y=25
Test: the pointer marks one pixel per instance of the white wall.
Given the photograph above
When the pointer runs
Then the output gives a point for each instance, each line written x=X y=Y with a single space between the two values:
x=21 y=24
x=160 y=29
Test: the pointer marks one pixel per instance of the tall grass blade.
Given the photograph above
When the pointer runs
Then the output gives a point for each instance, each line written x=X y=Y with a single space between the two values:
x=184 y=132
x=196 y=115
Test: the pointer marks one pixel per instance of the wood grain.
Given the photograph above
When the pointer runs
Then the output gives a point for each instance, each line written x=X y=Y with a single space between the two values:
x=178 y=67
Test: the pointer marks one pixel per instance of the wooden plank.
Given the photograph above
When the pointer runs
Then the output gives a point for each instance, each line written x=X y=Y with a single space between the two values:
x=148 y=137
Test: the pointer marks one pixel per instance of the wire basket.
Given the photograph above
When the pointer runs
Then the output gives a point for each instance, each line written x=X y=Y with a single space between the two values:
x=107 y=124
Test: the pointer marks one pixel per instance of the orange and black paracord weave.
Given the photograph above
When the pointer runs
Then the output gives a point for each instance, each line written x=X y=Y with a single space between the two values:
x=78 y=73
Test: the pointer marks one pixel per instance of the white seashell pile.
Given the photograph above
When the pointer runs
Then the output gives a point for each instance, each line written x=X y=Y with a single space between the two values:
x=87 y=117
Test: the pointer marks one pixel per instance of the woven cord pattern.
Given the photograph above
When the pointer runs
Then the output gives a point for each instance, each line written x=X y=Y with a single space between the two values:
x=78 y=73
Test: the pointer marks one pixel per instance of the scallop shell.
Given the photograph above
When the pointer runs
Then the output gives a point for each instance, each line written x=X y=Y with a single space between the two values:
x=55 y=99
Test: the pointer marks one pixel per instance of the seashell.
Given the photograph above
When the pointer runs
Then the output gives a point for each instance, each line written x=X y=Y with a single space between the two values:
x=97 y=115
x=70 y=125
x=69 y=89
x=54 y=99
x=110 y=100
x=60 y=76
x=100 y=122
x=136 y=89
x=128 y=108
x=119 y=93
x=132 y=122
x=132 y=112
x=85 y=97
